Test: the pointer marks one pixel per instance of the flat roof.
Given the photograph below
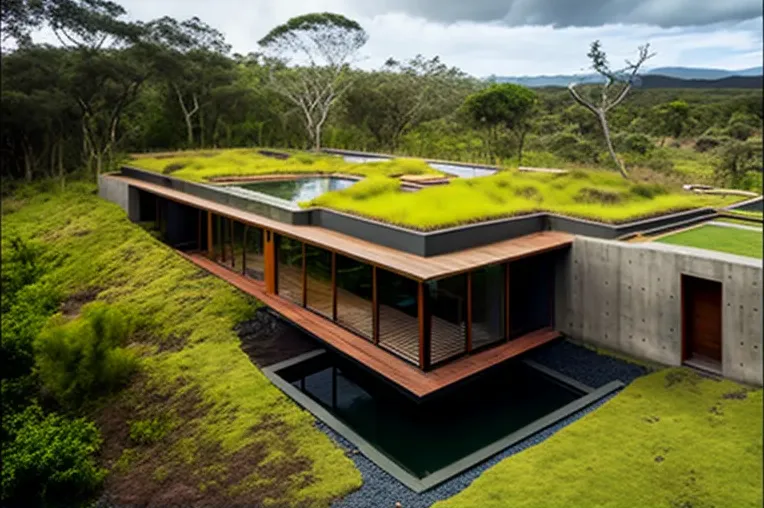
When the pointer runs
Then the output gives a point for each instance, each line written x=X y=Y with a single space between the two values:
x=395 y=370
x=404 y=263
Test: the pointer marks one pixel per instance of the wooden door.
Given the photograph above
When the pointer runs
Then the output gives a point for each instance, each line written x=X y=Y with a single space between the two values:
x=702 y=313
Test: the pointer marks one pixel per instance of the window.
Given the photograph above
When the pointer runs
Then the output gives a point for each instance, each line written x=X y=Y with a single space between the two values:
x=488 y=305
x=289 y=269
x=354 y=296
x=318 y=264
x=398 y=315
x=448 y=324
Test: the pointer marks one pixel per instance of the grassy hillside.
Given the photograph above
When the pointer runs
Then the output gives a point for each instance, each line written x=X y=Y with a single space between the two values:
x=670 y=439
x=199 y=424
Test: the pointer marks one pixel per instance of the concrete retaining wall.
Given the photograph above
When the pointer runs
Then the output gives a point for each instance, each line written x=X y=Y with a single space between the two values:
x=627 y=298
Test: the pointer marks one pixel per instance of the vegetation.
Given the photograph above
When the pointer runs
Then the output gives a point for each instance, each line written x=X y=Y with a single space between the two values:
x=247 y=162
x=720 y=238
x=597 y=195
x=118 y=86
x=197 y=406
x=641 y=449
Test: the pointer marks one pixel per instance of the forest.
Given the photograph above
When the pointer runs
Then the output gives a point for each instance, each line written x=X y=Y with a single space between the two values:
x=113 y=87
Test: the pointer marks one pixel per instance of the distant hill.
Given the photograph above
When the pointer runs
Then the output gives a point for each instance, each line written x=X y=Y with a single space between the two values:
x=696 y=77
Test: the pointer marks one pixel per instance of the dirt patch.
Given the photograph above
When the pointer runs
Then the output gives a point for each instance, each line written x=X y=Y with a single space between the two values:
x=736 y=395
x=73 y=304
x=173 y=167
x=267 y=339
x=183 y=468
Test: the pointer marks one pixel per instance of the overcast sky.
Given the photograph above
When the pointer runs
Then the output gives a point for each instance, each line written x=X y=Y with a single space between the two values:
x=505 y=37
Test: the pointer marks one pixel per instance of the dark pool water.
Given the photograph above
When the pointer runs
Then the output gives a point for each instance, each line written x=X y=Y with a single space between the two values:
x=425 y=437
x=300 y=189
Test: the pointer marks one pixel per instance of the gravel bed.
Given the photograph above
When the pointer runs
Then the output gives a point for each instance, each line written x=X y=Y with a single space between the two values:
x=381 y=490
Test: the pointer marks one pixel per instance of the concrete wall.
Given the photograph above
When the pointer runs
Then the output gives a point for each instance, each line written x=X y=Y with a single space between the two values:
x=627 y=297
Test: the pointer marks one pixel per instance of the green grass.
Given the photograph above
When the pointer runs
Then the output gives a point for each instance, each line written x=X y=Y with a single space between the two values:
x=202 y=166
x=670 y=439
x=719 y=238
x=191 y=348
x=599 y=195
x=743 y=213
x=741 y=222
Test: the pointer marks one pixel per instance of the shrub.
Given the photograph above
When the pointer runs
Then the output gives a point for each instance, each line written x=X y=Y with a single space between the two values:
x=739 y=131
x=648 y=190
x=572 y=148
x=592 y=195
x=706 y=143
x=83 y=358
x=636 y=143
x=48 y=458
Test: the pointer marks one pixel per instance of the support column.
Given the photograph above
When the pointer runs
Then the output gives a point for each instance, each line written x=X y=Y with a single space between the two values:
x=269 y=256
x=506 y=301
x=304 y=277
x=210 y=242
x=468 y=346
x=374 y=306
x=425 y=340
x=334 y=286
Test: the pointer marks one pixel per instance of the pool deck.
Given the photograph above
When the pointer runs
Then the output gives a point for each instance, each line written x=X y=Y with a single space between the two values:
x=397 y=371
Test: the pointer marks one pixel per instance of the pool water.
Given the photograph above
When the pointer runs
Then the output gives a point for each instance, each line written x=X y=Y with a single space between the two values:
x=425 y=437
x=299 y=189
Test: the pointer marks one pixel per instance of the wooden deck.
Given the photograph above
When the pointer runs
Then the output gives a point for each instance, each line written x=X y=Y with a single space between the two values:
x=406 y=264
x=395 y=370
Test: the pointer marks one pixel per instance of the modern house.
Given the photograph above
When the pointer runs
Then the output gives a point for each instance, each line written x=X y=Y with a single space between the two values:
x=428 y=310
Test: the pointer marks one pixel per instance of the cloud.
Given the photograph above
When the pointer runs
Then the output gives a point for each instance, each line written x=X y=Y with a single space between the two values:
x=578 y=13
x=480 y=48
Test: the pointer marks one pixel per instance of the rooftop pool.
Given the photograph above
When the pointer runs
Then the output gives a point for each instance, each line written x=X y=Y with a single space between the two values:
x=299 y=189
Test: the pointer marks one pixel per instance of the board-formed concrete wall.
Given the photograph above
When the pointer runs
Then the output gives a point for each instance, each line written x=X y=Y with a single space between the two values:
x=627 y=297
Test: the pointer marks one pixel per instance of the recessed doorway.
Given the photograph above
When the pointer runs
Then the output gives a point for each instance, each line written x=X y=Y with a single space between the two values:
x=702 y=323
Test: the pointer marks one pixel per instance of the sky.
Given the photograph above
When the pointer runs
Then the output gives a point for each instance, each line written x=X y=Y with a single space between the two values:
x=504 y=37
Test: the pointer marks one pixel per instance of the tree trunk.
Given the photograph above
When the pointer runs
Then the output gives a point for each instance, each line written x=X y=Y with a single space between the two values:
x=317 y=138
x=609 y=143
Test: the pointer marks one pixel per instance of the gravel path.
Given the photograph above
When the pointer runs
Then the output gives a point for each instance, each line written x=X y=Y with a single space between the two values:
x=381 y=490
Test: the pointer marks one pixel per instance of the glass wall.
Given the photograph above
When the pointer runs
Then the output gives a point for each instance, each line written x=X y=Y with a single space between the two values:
x=289 y=269
x=354 y=296
x=531 y=294
x=488 y=305
x=398 y=315
x=448 y=309
x=254 y=262
x=237 y=246
x=318 y=265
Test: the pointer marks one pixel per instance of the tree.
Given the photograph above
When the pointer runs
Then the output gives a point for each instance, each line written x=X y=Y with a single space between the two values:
x=193 y=62
x=325 y=45
x=614 y=90
x=392 y=101
x=506 y=105
x=672 y=118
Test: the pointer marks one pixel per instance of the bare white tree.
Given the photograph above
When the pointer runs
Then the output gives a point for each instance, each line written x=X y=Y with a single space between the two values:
x=321 y=47
x=612 y=92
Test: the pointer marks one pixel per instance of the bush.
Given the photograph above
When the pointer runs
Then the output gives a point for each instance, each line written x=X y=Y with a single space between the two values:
x=83 y=358
x=648 y=190
x=706 y=143
x=48 y=458
x=572 y=148
x=635 y=143
x=738 y=160
x=739 y=131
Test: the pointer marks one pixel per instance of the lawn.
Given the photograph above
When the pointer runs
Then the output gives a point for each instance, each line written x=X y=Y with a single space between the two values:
x=599 y=195
x=740 y=222
x=719 y=238
x=231 y=436
x=670 y=439
x=203 y=166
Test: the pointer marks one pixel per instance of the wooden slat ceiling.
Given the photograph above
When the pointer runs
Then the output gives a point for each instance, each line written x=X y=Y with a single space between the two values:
x=410 y=265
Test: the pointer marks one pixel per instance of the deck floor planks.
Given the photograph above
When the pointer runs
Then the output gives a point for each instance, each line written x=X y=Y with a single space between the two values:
x=394 y=369
x=404 y=263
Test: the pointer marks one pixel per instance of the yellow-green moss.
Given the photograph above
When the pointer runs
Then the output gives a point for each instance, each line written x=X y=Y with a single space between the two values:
x=670 y=439
x=197 y=166
x=91 y=244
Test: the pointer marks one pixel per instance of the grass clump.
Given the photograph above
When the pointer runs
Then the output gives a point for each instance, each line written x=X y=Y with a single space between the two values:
x=191 y=363
x=672 y=438
x=719 y=238
x=84 y=358
x=246 y=162
x=597 y=195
